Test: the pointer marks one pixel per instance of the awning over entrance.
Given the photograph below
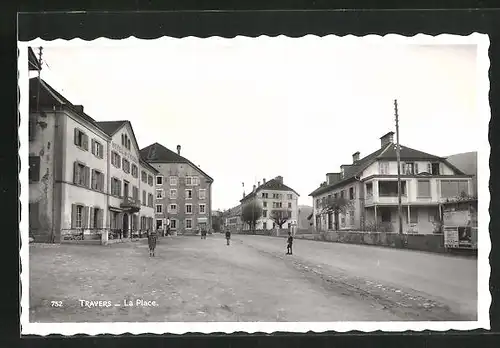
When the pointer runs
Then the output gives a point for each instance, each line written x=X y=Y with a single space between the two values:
x=115 y=209
x=202 y=219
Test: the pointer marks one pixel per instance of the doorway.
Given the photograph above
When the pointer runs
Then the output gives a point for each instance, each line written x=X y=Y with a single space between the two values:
x=125 y=225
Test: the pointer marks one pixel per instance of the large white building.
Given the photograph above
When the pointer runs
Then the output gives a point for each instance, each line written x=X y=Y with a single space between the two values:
x=86 y=178
x=274 y=197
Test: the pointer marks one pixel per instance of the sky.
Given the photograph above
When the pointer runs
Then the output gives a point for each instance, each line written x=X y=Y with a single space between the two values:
x=249 y=109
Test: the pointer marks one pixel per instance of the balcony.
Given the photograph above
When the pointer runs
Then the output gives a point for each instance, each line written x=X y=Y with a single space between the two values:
x=385 y=199
x=131 y=205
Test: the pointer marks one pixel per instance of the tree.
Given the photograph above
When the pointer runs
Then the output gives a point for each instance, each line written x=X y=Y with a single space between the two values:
x=280 y=216
x=336 y=205
x=250 y=213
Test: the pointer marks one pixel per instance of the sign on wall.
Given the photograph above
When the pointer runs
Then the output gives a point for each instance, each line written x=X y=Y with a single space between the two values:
x=124 y=153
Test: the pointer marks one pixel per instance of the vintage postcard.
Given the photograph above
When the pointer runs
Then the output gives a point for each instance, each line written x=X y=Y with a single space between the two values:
x=254 y=184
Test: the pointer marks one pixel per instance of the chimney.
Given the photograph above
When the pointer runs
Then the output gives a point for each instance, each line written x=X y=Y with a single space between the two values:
x=79 y=108
x=386 y=139
x=355 y=157
x=258 y=184
x=179 y=150
x=332 y=178
x=243 y=194
x=263 y=181
x=279 y=179
x=254 y=187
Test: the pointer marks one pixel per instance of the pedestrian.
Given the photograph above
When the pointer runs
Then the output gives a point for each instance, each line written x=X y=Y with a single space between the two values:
x=228 y=236
x=289 y=243
x=152 y=236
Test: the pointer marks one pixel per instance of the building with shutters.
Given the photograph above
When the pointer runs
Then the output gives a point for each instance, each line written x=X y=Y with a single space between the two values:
x=183 y=192
x=370 y=184
x=86 y=178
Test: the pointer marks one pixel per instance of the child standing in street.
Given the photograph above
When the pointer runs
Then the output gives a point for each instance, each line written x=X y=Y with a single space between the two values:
x=289 y=244
x=152 y=242
x=228 y=236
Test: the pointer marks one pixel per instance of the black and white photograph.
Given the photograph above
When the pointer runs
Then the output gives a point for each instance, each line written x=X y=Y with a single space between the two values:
x=254 y=184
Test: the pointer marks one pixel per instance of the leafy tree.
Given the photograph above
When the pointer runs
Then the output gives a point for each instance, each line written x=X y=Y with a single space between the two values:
x=250 y=213
x=280 y=216
x=336 y=205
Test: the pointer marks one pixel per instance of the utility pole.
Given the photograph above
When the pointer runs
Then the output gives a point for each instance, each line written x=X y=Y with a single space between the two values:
x=398 y=156
x=40 y=49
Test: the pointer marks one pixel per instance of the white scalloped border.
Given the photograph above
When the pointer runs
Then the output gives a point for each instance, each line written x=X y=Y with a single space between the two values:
x=484 y=296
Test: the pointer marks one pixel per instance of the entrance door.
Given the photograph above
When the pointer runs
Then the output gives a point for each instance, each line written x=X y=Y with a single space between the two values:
x=125 y=225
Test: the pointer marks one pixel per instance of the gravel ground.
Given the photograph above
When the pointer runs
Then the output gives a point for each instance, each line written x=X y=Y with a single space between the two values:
x=251 y=280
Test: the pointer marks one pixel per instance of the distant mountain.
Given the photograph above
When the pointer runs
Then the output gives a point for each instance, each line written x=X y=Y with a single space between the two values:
x=304 y=212
x=467 y=163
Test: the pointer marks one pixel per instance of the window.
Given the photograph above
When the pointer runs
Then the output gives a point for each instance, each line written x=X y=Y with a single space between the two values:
x=277 y=204
x=78 y=214
x=433 y=168
x=123 y=139
x=390 y=188
x=342 y=194
x=264 y=204
x=81 y=140
x=454 y=188
x=264 y=225
x=150 y=180
x=189 y=208
x=289 y=196
x=126 y=165
x=351 y=218
x=289 y=204
x=34 y=170
x=159 y=180
x=330 y=220
x=128 y=144
x=277 y=195
x=408 y=168
x=189 y=181
x=172 y=208
x=159 y=194
x=385 y=215
x=173 y=224
x=264 y=213
x=173 y=194
x=369 y=189
x=202 y=194
x=95 y=218
x=116 y=187
x=318 y=203
x=159 y=209
x=173 y=181
x=189 y=224
x=135 y=193
x=413 y=216
x=144 y=177
x=81 y=174
x=383 y=167
x=202 y=208
x=159 y=224
x=116 y=159
x=189 y=194
x=150 y=200
x=351 y=193
x=265 y=195
x=97 y=180
x=423 y=188
x=135 y=171
x=97 y=149
x=144 y=202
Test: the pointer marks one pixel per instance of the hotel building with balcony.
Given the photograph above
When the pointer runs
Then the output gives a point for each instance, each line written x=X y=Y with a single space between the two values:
x=86 y=178
x=370 y=184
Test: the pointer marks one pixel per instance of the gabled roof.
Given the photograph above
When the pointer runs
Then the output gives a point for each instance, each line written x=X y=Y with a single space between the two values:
x=43 y=95
x=387 y=152
x=111 y=127
x=157 y=153
x=272 y=184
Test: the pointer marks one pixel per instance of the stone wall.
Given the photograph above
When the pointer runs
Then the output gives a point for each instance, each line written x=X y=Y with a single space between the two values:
x=422 y=242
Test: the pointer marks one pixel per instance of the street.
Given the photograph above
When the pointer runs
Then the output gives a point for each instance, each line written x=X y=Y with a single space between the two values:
x=191 y=279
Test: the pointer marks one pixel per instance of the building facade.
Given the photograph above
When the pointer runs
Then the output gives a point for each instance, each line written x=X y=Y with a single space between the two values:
x=183 y=192
x=275 y=198
x=72 y=194
x=370 y=185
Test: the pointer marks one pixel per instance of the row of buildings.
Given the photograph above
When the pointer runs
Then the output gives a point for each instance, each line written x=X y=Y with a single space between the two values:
x=370 y=186
x=90 y=178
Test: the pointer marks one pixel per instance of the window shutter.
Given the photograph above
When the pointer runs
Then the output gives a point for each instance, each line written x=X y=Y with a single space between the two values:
x=101 y=185
x=87 y=176
x=119 y=184
x=101 y=151
x=92 y=146
x=94 y=179
x=85 y=142
x=75 y=171
x=416 y=168
x=85 y=218
x=76 y=136
x=73 y=215
x=100 y=214
x=91 y=217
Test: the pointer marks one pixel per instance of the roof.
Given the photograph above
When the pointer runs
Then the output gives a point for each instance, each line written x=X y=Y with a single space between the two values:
x=43 y=95
x=272 y=184
x=157 y=153
x=33 y=62
x=111 y=127
x=387 y=152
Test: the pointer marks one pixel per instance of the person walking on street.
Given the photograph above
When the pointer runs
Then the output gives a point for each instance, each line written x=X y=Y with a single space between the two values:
x=152 y=236
x=289 y=244
x=228 y=236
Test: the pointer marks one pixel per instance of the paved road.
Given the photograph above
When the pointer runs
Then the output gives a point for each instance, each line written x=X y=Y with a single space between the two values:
x=252 y=280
